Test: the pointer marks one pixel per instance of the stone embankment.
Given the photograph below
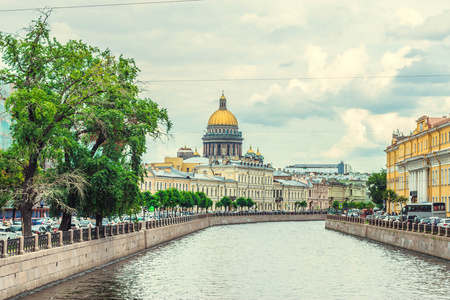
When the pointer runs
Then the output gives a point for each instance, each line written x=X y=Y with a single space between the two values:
x=29 y=263
x=425 y=239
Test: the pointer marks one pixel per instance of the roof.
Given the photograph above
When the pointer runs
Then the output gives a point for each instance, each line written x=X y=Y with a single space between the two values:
x=196 y=160
x=281 y=173
x=291 y=183
x=222 y=116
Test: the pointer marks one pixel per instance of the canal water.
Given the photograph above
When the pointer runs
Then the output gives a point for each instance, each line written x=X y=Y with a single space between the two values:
x=285 y=260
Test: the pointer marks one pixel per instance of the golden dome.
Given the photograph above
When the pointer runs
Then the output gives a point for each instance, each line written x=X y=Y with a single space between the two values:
x=257 y=152
x=250 y=150
x=222 y=116
x=196 y=153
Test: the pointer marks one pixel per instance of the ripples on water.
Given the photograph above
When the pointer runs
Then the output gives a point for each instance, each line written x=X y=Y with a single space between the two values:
x=286 y=260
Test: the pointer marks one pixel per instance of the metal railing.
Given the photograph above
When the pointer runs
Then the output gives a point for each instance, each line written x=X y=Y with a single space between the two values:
x=21 y=245
x=396 y=225
x=55 y=239
x=13 y=246
x=66 y=237
x=29 y=243
x=43 y=241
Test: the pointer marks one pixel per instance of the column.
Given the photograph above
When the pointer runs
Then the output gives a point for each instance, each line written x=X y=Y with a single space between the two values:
x=417 y=184
x=425 y=185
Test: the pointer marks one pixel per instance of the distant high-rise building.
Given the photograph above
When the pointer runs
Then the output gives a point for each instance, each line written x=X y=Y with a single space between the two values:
x=5 y=118
x=339 y=168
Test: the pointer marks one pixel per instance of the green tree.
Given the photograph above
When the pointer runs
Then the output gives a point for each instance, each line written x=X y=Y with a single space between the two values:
x=303 y=204
x=336 y=204
x=390 y=197
x=208 y=204
x=67 y=95
x=360 y=205
x=204 y=202
x=175 y=198
x=241 y=202
x=345 y=205
x=195 y=199
x=377 y=185
x=219 y=204
x=150 y=201
x=201 y=200
x=402 y=200
x=163 y=197
x=226 y=202
x=250 y=203
x=186 y=201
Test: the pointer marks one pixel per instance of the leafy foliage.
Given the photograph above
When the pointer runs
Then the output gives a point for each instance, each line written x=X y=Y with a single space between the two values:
x=377 y=186
x=76 y=110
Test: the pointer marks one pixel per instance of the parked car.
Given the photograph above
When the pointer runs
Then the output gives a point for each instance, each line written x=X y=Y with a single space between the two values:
x=444 y=223
x=40 y=229
x=412 y=219
x=87 y=224
x=435 y=220
x=16 y=228
x=427 y=221
x=7 y=233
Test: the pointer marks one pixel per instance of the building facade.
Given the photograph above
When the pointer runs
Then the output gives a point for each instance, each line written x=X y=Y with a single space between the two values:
x=418 y=165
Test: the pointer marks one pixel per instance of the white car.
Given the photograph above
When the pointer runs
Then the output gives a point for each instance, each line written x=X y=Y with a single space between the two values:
x=444 y=223
x=7 y=233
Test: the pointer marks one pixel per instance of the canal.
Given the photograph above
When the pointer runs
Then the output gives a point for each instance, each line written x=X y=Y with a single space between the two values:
x=285 y=260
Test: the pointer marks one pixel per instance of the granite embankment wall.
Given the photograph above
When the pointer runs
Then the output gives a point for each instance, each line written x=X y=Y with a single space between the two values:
x=21 y=273
x=434 y=242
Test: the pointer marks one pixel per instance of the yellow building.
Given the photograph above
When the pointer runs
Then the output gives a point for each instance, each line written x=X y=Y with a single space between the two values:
x=418 y=165
x=178 y=163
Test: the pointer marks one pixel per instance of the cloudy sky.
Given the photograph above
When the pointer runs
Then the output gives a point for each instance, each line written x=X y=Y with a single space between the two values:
x=309 y=81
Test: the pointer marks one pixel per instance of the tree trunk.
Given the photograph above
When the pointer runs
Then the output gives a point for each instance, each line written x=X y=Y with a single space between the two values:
x=66 y=222
x=26 y=213
x=98 y=220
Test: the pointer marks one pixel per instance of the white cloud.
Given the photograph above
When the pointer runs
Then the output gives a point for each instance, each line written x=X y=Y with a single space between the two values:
x=351 y=63
x=390 y=65
x=274 y=16
x=435 y=27
x=366 y=131
x=409 y=16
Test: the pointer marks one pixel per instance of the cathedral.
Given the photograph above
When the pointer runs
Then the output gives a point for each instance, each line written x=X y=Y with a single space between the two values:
x=223 y=138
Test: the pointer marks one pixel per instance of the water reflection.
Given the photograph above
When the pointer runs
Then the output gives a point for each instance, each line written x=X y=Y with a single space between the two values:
x=288 y=260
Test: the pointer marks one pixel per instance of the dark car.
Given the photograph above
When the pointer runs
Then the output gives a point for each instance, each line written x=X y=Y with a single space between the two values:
x=425 y=221
x=412 y=219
